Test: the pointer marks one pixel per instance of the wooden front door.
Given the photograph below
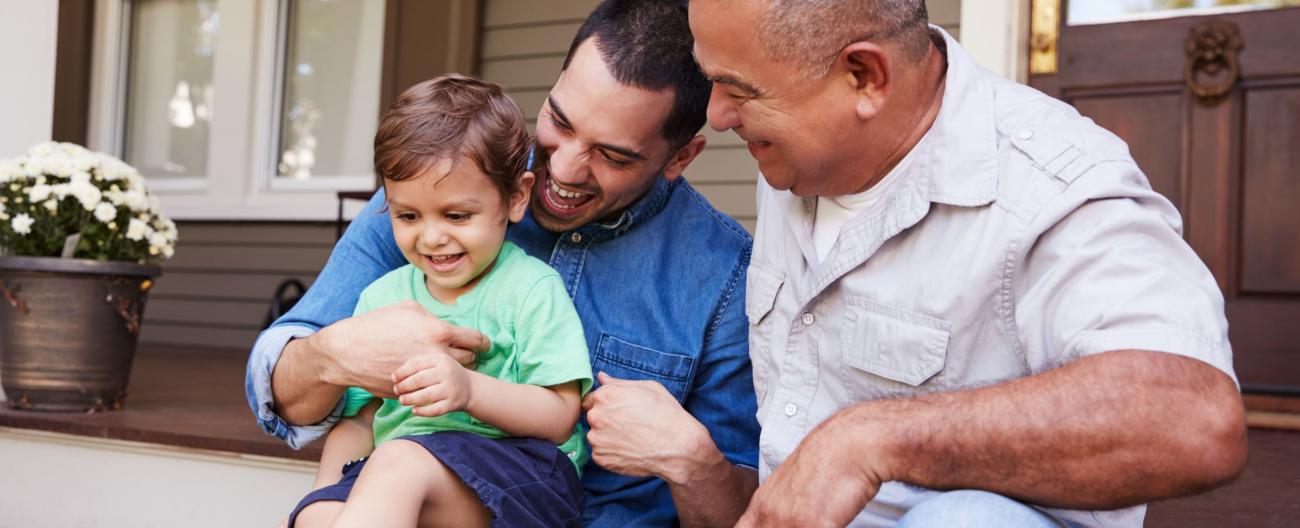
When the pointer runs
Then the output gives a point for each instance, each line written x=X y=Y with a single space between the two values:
x=1210 y=107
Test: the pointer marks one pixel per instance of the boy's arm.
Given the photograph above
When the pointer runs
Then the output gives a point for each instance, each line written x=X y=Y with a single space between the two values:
x=352 y=438
x=548 y=413
x=436 y=385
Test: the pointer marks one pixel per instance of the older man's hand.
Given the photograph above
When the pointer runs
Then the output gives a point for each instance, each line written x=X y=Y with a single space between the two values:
x=825 y=482
x=638 y=429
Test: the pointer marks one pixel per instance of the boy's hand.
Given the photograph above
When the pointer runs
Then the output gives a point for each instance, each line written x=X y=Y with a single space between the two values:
x=433 y=384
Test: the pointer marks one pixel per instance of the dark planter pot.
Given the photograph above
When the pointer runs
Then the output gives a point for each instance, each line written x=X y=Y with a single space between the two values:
x=68 y=329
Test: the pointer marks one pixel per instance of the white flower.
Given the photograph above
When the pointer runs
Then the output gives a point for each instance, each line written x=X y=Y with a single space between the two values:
x=105 y=212
x=136 y=230
x=22 y=224
x=41 y=150
x=10 y=169
x=87 y=194
x=80 y=177
x=157 y=240
x=136 y=201
x=39 y=192
x=33 y=168
x=52 y=205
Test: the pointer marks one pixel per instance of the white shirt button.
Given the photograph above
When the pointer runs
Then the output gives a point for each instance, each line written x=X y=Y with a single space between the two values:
x=1025 y=134
x=808 y=319
x=790 y=409
x=576 y=238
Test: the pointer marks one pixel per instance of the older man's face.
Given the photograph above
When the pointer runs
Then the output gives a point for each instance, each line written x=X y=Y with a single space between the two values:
x=791 y=125
x=604 y=143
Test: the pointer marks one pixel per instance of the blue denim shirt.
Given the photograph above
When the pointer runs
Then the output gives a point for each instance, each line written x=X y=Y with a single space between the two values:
x=661 y=296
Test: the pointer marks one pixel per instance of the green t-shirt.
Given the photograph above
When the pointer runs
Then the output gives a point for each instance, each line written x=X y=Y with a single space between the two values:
x=537 y=339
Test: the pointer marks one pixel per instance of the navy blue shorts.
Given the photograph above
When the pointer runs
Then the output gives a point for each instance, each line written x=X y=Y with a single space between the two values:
x=524 y=482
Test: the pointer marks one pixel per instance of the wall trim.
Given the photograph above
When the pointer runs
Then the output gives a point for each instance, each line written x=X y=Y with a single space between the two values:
x=72 y=59
x=186 y=453
x=996 y=34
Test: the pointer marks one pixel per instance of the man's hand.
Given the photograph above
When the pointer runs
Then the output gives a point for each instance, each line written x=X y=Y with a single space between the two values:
x=434 y=384
x=823 y=483
x=638 y=429
x=364 y=351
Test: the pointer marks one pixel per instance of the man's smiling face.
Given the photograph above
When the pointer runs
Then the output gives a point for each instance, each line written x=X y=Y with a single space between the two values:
x=604 y=143
x=791 y=124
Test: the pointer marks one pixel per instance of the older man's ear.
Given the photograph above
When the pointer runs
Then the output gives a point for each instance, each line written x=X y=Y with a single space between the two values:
x=867 y=68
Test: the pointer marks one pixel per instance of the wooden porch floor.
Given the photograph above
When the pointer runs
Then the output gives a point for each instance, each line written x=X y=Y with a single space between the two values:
x=1266 y=494
x=195 y=399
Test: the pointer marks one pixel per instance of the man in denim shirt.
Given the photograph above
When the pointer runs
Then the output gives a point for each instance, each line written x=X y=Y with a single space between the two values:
x=657 y=275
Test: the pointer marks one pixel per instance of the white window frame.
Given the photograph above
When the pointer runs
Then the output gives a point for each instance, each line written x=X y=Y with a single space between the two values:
x=996 y=34
x=240 y=181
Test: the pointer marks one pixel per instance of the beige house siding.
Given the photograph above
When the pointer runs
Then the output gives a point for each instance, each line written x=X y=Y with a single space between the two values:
x=216 y=291
x=524 y=43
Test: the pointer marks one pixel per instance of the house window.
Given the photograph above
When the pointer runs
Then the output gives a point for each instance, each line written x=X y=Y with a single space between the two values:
x=1111 y=11
x=331 y=88
x=169 y=100
x=240 y=110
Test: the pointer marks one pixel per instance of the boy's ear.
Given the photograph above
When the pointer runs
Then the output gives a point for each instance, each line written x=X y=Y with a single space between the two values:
x=519 y=201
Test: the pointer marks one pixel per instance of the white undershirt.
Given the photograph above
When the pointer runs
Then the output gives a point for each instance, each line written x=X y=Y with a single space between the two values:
x=835 y=211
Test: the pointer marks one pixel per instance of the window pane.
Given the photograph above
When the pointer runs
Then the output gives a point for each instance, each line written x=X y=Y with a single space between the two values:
x=169 y=95
x=331 y=88
x=1105 y=11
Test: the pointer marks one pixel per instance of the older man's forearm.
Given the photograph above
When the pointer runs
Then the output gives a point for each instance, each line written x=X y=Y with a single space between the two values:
x=1107 y=431
x=302 y=397
x=711 y=491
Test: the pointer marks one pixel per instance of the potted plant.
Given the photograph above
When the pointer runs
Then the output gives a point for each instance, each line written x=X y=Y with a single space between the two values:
x=80 y=240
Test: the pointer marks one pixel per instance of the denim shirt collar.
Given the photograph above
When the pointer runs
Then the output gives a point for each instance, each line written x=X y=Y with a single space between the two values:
x=636 y=214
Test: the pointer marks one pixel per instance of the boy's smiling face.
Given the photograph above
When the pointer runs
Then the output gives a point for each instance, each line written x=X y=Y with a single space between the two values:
x=450 y=222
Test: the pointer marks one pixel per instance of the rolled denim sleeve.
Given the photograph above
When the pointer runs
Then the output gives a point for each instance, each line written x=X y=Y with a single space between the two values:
x=366 y=252
x=723 y=396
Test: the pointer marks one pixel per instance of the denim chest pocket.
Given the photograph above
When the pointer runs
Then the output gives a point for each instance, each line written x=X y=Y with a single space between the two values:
x=885 y=342
x=625 y=360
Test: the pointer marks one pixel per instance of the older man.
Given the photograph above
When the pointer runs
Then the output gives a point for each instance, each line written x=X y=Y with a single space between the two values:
x=656 y=273
x=957 y=283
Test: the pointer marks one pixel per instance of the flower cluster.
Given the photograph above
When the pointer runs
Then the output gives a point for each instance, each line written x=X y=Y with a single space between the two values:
x=60 y=192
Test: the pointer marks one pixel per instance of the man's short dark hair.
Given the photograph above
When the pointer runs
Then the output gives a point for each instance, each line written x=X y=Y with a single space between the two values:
x=648 y=44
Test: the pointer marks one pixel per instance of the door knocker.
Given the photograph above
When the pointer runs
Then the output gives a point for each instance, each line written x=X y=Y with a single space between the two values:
x=1212 y=48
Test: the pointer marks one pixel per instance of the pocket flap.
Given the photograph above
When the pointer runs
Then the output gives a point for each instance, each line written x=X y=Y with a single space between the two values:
x=625 y=360
x=760 y=292
x=902 y=346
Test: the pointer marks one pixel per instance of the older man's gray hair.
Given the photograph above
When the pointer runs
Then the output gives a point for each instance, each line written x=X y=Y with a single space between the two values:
x=810 y=33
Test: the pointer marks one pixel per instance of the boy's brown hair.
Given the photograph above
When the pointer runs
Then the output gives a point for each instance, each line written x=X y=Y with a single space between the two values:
x=452 y=117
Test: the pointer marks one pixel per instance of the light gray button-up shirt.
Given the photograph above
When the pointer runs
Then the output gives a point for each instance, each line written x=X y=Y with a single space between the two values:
x=1020 y=237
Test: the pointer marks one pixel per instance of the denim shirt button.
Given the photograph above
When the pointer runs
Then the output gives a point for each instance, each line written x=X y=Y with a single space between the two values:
x=575 y=238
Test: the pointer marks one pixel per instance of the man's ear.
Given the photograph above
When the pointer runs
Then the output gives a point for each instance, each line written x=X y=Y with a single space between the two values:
x=866 y=65
x=519 y=201
x=683 y=157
